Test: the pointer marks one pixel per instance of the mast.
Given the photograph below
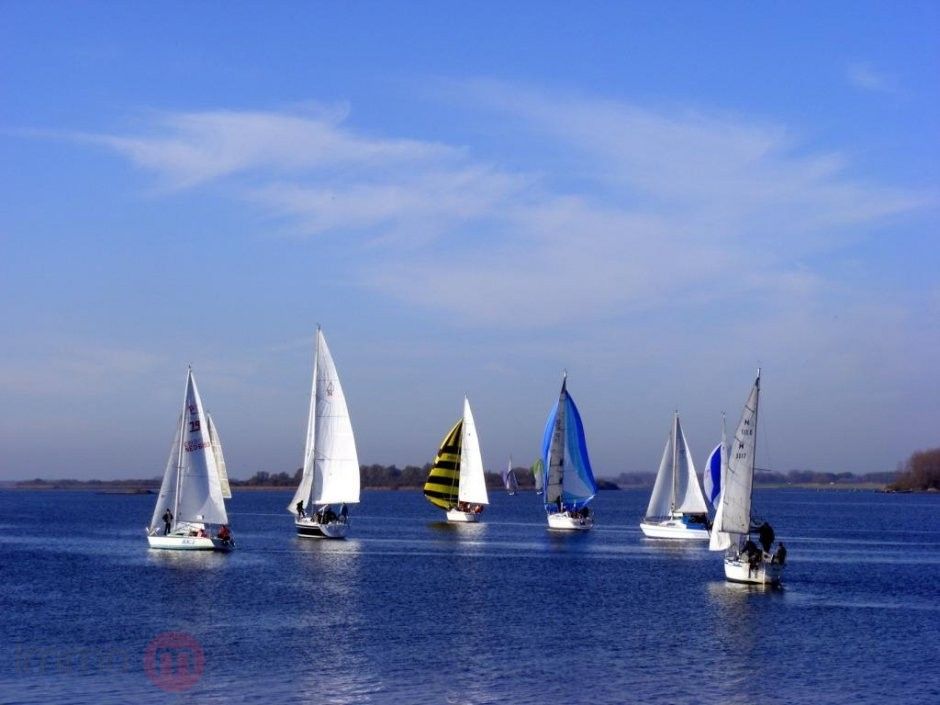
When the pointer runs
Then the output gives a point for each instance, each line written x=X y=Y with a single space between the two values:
x=179 y=451
x=750 y=498
x=675 y=461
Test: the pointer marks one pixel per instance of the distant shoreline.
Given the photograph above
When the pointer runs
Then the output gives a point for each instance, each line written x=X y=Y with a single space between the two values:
x=118 y=488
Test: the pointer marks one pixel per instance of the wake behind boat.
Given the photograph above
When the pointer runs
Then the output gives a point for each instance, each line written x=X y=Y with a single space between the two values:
x=745 y=562
x=331 y=464
x=192 y=495
x=456 y=481
x=677 y=509
x=567 y=476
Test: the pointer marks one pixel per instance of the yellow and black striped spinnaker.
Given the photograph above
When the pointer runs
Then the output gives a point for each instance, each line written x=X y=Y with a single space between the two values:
x=444 y=478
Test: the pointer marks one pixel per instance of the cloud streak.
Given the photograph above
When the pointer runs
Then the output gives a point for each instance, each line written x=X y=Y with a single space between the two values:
x=667 y=204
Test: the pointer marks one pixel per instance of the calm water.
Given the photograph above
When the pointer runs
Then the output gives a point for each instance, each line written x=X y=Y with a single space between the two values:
x=412 y=611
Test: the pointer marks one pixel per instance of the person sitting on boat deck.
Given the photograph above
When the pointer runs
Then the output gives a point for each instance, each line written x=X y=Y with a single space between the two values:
x=167 y=520
x=300 y=509
x=328 y=514
x=224 y=533
x=780 y=555
x=765 y=533
x=201 y=533
x=477 y=508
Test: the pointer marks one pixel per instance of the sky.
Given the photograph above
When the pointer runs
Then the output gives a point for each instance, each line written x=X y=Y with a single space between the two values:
x=470 y=198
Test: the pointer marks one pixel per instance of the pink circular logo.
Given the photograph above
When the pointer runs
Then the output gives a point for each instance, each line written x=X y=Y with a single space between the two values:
x=174 y=661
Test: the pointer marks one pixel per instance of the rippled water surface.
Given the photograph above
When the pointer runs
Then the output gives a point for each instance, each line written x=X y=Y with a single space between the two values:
x=410 y=610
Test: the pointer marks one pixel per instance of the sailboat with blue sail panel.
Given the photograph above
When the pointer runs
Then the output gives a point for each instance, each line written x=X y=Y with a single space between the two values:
x=568 y=480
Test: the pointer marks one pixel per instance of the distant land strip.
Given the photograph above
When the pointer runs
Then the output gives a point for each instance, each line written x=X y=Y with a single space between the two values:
x=918 y=474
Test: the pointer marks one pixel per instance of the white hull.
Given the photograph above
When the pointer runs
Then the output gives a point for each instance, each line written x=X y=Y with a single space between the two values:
x=311 y=528
x=563 y=522
x=737 y=570
x=190 y=543
x=457 y=516
x=674 y=529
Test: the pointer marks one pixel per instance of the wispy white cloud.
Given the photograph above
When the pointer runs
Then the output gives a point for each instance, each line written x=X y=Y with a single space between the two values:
x=862 y=75
x=670 y=203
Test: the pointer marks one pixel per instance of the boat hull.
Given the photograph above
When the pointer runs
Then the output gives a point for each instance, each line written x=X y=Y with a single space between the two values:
x=738 y=570
x=561 y=521
x=312 y=529
x=675 y=529
x=190 y=543
x=459 y=517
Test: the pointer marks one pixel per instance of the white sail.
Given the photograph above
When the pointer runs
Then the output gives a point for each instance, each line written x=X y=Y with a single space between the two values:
x=472 y=487
x=689 y=498
x=734 y=511
x=677 y=487
x=661 y=503
x=199 y=493
x=167 y=497
x=331 y=464
x=219 y=458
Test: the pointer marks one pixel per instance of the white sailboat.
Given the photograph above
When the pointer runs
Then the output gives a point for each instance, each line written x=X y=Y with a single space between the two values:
x=677 y=509
x=191 y=495
x=744 y=562
x=456 y=481
x=567 y=476
x=331 y=465
x=509 y=479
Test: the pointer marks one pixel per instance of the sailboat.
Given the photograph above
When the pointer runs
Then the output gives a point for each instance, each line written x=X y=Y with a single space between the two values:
x=677 y=509
x=509 y=479
x=567 y=477
x=745 y=562
x=456 y=481
x=538 y=475
x=331 y=465
x=191 y=497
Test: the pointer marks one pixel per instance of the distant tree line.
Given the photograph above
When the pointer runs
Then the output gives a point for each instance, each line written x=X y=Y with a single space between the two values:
x=921 y=472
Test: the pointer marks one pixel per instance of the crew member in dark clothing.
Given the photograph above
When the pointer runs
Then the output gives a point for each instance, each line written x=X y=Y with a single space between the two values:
x=300 y=509
x=765 y=533
x=167 y=521
x=781 y=555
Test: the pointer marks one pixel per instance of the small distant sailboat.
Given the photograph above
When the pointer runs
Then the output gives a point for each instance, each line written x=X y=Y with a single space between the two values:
x=331 y=465
x=509 y=479
x=538 y=474
x=191 y=496
x=677 y=509
x=456 y=482
x=745 y=562
x=567 y=476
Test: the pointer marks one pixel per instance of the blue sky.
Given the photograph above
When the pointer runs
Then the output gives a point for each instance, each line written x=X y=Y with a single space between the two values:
x=469 y=197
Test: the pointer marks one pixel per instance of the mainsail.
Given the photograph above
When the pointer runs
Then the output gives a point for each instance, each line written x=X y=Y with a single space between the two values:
x=568 y=478
x=331 y=464
x=676 y=488
x=443 y=481
x=733 y=518
x=191 y=487
x=219 y=458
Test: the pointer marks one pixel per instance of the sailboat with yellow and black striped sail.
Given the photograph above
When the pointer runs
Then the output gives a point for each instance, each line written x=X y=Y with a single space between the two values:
x=456 y=482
